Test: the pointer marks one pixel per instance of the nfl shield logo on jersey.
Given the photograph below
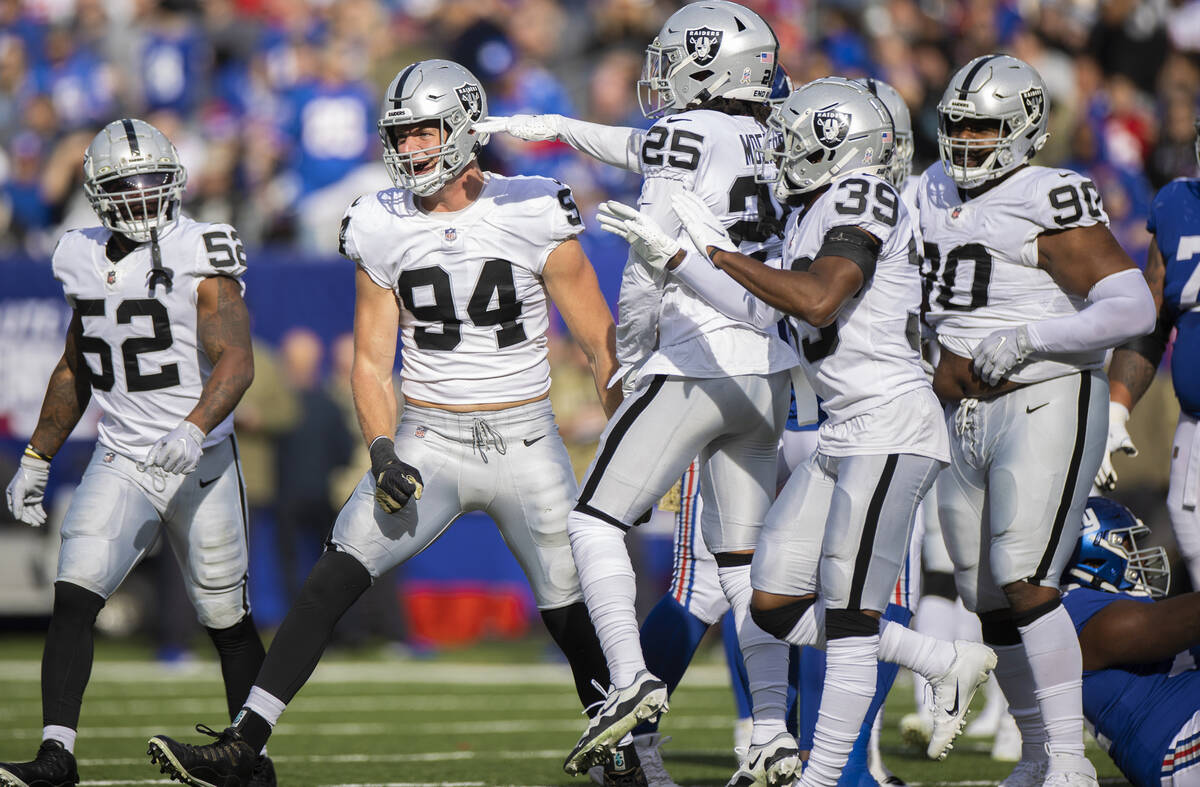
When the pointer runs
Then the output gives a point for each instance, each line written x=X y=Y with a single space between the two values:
x=831 y=127
x=468 y=96
x=450 y=234
x=419 y=431
x=111 y=278
x=703 y=43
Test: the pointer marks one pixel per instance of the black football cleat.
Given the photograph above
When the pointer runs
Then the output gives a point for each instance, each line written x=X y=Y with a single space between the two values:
x=623 y=768
x=227 y=762
x=264 y=772
x=53 y=766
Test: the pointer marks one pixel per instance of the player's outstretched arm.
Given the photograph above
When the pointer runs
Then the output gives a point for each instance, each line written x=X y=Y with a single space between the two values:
x=1132 y=370
x=67 y=396
x=1132 y=632
x=223 y=331
x=616 y=146
x=573 y=287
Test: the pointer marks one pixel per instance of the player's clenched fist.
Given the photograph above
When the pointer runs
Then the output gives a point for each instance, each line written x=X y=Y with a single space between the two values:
x=395 y=481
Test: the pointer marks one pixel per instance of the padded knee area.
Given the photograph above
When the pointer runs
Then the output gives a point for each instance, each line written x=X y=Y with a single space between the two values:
x=843 y=623
x=780 y=621
x=939 y=583
x=998 y=628
x=75 y=605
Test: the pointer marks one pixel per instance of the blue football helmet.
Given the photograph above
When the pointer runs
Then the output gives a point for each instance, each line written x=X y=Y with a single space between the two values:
x=1108 y=558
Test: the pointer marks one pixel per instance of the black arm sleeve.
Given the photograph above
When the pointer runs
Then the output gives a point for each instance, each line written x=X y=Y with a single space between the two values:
x=854 y=244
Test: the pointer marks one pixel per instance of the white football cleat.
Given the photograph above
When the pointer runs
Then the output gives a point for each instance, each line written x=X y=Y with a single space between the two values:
x=771 y=764
x=952 y=693
x=1027 y=773
x=643 y=700
x=1070 y=771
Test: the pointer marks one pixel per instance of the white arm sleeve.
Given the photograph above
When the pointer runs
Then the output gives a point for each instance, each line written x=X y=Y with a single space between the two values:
x=1120 y=307
x=614 y=145
x=723 y=293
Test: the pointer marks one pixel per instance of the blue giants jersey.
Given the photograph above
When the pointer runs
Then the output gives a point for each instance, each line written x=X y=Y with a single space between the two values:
x=1135 y=711
x=1175 y=222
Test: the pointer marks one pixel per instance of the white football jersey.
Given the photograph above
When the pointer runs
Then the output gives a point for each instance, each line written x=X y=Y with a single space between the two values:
x=473 y=307
x=147 y=368
x=981 y=259
x=716 y=156
x=866 y=357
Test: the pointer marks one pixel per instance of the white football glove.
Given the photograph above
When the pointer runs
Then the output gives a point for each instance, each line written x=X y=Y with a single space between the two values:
x=532 y=128
x=178 y=451
x=700 y=223
x=998 y=353
x=1118 y=440
x=649 y=242
x=27 y=489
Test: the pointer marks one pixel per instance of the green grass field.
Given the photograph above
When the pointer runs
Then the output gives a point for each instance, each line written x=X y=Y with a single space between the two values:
x=493 y=715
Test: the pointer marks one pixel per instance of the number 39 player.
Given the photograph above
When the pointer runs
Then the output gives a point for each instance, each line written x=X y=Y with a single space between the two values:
x=1026 y=289
x=160 y=336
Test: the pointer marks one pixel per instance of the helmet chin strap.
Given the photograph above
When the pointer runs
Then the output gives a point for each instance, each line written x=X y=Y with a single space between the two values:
x=157 y=271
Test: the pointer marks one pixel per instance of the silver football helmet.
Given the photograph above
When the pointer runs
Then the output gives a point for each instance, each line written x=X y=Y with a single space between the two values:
x=901 y=166
x=439 y=92
x=830 y=128
x=1009 y=94
x=708 y=49
x=133 y=178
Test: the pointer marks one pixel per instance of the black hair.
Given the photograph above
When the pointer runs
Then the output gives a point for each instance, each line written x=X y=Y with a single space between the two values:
x=737 y=106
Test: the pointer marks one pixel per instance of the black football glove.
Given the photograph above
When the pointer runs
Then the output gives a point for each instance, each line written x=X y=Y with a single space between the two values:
x=395 y=481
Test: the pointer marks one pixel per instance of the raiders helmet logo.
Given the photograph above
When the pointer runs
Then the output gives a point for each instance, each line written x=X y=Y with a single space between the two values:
x=471 y=100
x=702 y=43
x=1034 y=102
x=831 y=127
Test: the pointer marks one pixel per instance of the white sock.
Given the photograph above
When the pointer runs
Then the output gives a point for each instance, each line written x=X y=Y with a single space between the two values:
x=1016 y=681
x=64 y=735
x=851 y=666
x=936 y=617
x=1056 y=664
x=810 y=629
x=925 y=655
x=609 y=590
x=765 y=657
x=266 y=705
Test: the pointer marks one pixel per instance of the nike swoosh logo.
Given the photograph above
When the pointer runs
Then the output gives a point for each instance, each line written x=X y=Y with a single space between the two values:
x=209 y=481
x=1029 y=409
x=954 y=709
x=534 y=440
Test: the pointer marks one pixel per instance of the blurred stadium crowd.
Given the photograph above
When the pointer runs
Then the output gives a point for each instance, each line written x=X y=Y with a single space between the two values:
x=272 y=103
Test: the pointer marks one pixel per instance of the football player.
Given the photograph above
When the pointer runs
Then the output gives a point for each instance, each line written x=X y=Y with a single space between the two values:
x=849 y=508
x=477 y=432
x=1027 y=289
x=1172 y=267
x=704 y=385
x=161 y=338
x=1141 y=687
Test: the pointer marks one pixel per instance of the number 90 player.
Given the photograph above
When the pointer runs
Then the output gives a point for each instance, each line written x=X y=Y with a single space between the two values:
x=1026 y=289
x=459 y=262
x=160 y=336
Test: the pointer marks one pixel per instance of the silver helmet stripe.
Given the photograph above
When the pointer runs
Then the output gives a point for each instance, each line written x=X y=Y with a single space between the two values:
x=965 y=87
x=131 y=136
x=398 y=95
